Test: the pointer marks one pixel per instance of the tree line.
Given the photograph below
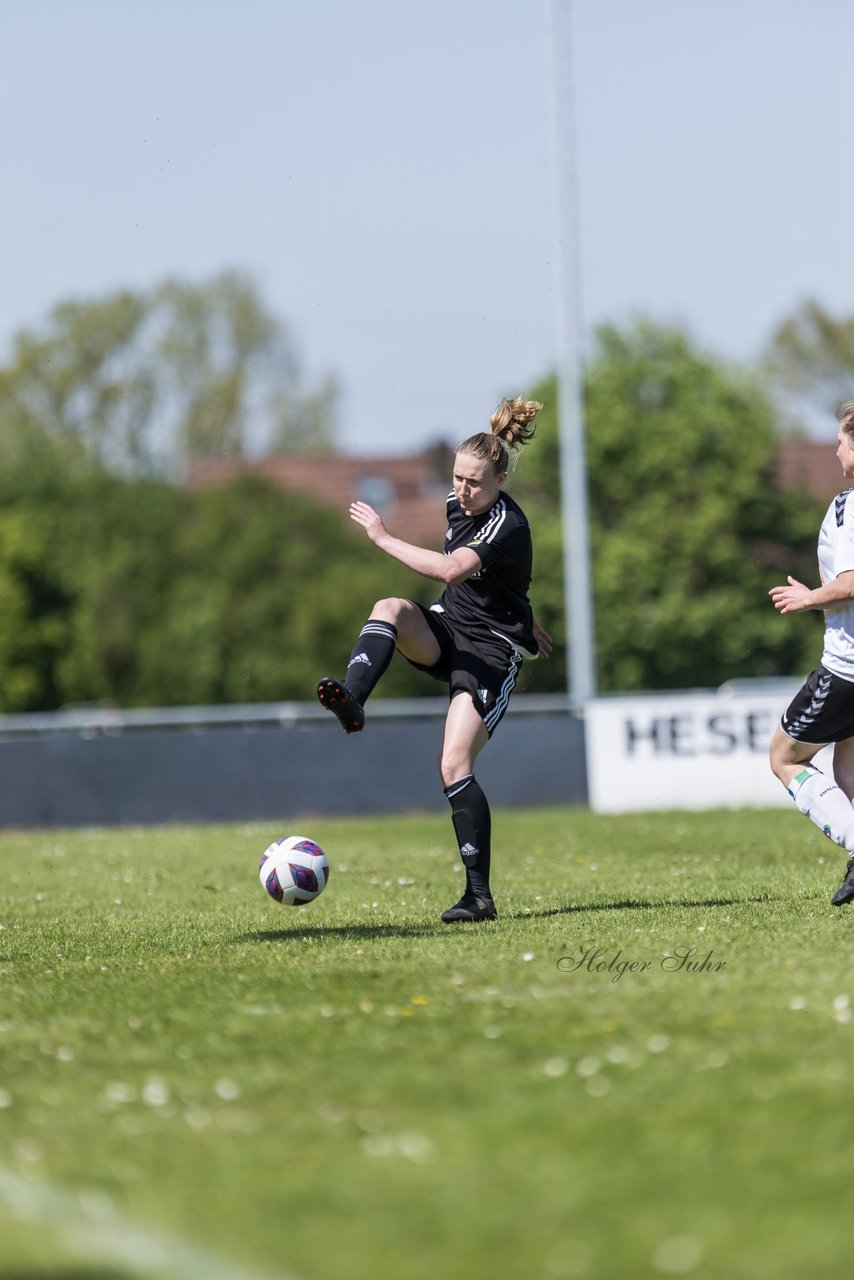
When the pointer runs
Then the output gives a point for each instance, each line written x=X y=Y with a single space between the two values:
x=118 y=584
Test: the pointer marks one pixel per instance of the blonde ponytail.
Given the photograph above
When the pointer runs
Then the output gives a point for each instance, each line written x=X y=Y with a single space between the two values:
x=510 y=430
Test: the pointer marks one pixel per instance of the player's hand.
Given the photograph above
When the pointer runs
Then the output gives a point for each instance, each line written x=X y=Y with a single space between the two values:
x=364 y=515
x=544 y=641
x=795 y=597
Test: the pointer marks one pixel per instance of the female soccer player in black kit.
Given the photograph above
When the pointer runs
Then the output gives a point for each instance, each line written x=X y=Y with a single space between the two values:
x=474 y=638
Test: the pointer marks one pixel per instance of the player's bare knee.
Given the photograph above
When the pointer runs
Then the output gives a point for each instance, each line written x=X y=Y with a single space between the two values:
x=776 y=762
x=389 y=610
x=781 y=756
x=453 y=765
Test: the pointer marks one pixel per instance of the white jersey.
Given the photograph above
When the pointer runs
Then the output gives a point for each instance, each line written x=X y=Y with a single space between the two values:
x=835 y=556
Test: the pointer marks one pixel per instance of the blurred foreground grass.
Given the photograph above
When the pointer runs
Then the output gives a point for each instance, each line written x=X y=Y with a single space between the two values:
x=638 y=1071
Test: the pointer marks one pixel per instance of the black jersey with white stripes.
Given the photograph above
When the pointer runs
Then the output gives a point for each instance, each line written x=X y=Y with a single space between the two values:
x=494 y=600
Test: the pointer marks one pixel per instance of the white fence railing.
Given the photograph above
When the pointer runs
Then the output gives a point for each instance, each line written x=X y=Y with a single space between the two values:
x=90 y=721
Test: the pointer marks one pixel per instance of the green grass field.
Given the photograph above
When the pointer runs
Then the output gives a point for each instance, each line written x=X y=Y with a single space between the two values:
x=195 y=1081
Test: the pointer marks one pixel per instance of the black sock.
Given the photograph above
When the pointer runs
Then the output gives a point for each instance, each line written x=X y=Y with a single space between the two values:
x=473 y=826
x=369 y=660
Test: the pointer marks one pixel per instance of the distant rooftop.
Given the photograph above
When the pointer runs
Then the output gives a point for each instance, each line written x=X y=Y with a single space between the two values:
x=813 y=466
x=409 y=492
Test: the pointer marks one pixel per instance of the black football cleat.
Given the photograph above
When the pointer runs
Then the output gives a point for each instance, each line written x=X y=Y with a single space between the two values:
x=470 y=910
x=338 y=699
x=845 y=892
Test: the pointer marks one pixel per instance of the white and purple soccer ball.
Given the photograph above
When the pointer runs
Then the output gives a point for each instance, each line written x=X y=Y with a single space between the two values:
x=294 y=870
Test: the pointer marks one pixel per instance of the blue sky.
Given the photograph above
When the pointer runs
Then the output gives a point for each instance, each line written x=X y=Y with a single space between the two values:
x=383 y=170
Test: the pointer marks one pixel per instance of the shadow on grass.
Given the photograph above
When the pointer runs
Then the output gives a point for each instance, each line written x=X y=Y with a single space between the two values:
x=357 y=932
x=66 y=1273
x=634 y=904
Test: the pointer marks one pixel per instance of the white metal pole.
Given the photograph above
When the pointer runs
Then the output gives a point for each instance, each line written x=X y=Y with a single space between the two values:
x=581 y=666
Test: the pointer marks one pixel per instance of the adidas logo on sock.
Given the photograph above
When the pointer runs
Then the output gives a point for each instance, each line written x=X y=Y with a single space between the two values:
x=468 y=851
x=359 y=657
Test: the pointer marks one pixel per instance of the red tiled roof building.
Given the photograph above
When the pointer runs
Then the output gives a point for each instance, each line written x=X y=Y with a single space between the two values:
x=408 y=492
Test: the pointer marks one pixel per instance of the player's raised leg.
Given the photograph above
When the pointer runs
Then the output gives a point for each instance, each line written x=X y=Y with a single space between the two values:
x=465 y=736
x=816 y=795
x=393 y=622
x=843 y=772
x=819 y=797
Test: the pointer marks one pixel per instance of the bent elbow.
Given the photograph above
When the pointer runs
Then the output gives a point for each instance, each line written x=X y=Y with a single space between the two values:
x=459 y=567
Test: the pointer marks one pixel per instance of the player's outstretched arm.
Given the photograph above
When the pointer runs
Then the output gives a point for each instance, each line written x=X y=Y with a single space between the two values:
x=796 y=597
x=544 y=641
x=456 y=567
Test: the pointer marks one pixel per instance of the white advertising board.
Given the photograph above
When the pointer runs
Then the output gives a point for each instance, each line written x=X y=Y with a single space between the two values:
x=685 y=751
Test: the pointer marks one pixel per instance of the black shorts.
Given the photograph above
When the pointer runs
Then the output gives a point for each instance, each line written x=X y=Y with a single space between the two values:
x=486 y=668
x=822 y=710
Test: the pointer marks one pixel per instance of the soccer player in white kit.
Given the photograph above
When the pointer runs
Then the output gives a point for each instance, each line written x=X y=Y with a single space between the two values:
x=822 y=712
